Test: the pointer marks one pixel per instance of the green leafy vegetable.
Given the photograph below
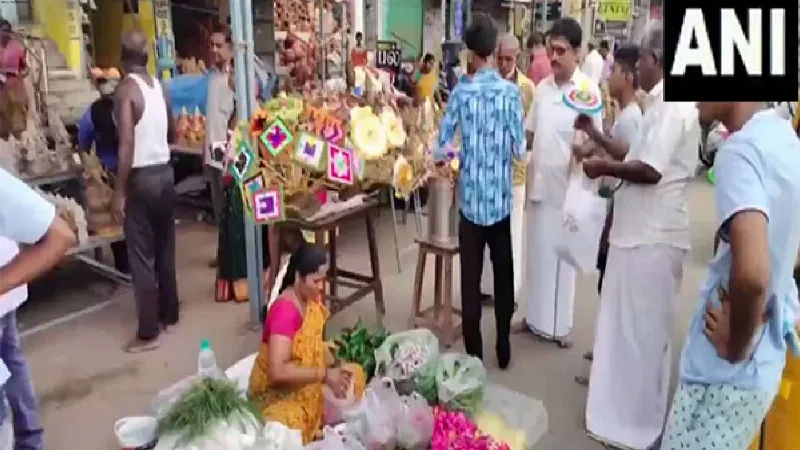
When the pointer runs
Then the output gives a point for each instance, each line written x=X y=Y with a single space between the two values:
x=207 y=402
x=358 y=344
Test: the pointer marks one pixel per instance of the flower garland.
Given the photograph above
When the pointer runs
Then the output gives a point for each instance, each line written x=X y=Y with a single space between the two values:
x=453 y=430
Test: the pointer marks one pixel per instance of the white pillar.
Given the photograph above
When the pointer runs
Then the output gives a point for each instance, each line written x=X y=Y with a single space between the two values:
x=358 y=17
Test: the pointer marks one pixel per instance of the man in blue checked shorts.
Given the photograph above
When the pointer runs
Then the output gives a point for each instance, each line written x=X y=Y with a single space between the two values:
x=744 y=321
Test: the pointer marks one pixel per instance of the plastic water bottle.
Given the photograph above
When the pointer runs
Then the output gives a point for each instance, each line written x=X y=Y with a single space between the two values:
x=207 y=362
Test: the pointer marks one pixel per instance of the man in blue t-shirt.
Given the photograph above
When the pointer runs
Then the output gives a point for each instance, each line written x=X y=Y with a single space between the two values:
x=735 y=351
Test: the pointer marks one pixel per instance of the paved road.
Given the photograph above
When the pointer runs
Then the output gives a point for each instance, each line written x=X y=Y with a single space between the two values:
x=85 y=382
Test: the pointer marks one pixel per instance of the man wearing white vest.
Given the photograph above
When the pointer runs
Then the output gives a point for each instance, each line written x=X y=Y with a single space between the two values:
x=145 y=192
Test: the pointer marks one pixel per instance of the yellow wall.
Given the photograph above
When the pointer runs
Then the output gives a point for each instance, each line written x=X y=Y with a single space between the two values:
x=53 y=16
x=109 y=25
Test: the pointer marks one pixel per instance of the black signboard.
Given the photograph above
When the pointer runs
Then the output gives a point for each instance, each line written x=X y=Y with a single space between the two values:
x=388 y=57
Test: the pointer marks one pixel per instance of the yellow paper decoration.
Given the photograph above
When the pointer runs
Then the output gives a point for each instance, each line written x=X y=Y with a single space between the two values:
x=395 y=133
x=403 y=181
x=360 y=112
x=369 y=137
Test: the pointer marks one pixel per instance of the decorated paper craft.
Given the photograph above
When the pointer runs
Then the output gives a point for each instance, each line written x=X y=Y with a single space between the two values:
x=250 y=186
x=268 y=205
x=340 y=164
x=276 y=137
x=217 y=153
x=325 y=125
x=309 y=150
x=583 y=100
x=243 y=162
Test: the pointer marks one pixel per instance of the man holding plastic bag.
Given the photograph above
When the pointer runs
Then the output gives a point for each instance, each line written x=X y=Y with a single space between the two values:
x=550 y=281
x=649 y=240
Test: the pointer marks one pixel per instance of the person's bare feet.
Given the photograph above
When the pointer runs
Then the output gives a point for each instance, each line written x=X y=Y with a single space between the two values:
x=583 y=381
x=169 y=329
x=142 y=345
x=589 y=356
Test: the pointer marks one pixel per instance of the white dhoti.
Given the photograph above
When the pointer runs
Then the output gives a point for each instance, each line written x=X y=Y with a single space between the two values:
x=629 y=382
x=550 y=282
x=517 y=218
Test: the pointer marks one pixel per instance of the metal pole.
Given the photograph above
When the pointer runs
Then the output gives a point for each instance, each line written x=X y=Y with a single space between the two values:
x=244 y=58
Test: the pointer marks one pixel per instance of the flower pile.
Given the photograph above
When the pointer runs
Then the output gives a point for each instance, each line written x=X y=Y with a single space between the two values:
x=453 y=430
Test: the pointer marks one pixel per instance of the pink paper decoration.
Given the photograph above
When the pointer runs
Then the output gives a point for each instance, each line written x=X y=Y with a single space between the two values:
x=340 y=164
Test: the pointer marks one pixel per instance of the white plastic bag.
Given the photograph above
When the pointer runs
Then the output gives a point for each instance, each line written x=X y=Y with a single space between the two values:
x=334 y=440
x=583 y=216
x=414 y=423
x=334 y=407
x=277 y=436
x=374 y=422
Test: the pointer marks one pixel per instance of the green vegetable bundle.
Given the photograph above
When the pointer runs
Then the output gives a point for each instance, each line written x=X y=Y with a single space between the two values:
x=208 y=402
x=460 y=382
x=358 y=344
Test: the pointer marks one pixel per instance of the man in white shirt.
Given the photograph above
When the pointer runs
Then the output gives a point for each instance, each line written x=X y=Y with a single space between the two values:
x=550 y=281
x=593 y=64
x=26 y=218
x=649 y=241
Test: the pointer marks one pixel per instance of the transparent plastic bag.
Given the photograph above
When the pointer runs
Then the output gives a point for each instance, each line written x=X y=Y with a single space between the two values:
x=460 y=382
x=374 y=422
x=334 y=407
x=414 y=423
x=331 y=440
x=410 y=359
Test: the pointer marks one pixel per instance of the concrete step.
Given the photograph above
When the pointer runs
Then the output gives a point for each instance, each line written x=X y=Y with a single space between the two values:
x=60 y=74
x=67 y=85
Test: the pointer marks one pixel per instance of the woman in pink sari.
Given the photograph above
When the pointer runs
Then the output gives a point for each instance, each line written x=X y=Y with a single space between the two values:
x=13 y=95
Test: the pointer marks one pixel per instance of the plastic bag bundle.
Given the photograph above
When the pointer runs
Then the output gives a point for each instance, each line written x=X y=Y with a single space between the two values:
x=374 y=422
x=414 y=423
x=410 y=359
x=460 y=382
x=334 y=440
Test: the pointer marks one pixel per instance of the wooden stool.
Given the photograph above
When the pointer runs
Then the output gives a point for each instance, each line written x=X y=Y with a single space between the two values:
x=438 y=317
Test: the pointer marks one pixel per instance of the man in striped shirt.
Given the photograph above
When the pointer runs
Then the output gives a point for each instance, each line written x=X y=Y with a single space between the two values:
x=488 y=110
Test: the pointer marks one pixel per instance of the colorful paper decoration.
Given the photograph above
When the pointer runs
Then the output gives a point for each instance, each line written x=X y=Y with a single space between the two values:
x=277 y=137
x=325 y=125
x=217 y=153
x=250 y=186
x=340 y=164
x=583 y=100
x=243 y=162
x=309 y=150
x=268 y=205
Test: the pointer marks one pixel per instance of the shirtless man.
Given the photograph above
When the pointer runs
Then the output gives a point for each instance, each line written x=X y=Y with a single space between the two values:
x=145 y=192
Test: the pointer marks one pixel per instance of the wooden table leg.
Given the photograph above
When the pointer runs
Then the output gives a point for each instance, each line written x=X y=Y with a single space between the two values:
x=447 y=320
x=437 y=287
x=419 y=275
x=332 y=263
x=377 y=283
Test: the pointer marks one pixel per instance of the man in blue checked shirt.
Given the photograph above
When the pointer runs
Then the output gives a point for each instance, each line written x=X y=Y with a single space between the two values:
x=25 y=218
x=488 y=111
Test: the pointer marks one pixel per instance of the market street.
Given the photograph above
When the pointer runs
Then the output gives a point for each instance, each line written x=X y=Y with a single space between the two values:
x=85 y=381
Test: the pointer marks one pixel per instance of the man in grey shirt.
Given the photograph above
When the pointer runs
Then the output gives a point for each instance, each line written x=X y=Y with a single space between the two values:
x=622 y=86
x=219 y=107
